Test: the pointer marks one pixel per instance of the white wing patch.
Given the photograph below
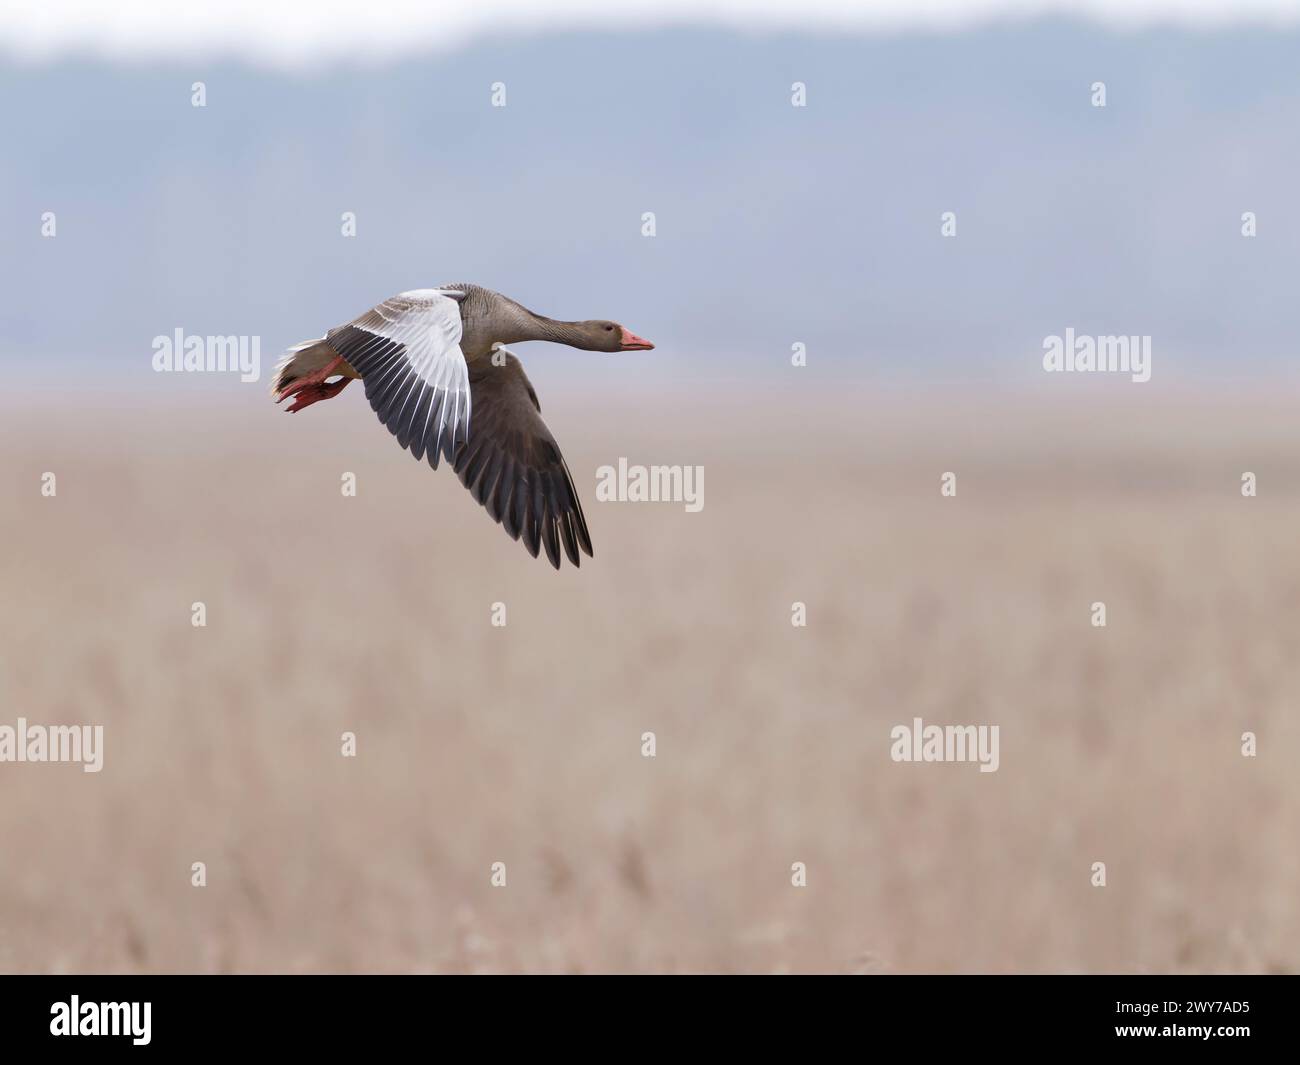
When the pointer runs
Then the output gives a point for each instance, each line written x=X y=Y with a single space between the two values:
x=407 y=351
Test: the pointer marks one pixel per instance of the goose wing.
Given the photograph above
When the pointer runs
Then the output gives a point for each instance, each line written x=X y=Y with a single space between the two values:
x=407 y=353
x=512 y=465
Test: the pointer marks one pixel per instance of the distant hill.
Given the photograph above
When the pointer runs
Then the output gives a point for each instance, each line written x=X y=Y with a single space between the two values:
x=775 y=224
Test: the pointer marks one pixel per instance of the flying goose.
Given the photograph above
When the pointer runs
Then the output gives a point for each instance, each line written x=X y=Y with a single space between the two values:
x=438 y=375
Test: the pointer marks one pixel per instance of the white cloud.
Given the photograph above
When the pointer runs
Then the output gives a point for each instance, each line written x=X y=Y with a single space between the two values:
x=299 y=34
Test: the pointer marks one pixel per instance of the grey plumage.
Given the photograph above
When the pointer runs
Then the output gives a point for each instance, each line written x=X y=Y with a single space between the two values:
x=432 y=373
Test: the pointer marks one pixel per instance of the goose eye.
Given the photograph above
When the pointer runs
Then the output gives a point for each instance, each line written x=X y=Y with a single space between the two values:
x=609 y=329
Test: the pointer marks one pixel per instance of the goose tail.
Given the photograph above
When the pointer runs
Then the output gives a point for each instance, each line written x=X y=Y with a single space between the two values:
x=301 y=360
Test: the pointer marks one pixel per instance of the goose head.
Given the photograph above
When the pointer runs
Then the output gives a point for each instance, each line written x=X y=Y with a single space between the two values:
x=600 y=335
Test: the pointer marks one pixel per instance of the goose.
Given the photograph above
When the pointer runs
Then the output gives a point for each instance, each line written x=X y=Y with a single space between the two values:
x=439 y=376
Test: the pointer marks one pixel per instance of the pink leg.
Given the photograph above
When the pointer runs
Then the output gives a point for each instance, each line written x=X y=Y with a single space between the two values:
x=305 y=397
x=312 y=388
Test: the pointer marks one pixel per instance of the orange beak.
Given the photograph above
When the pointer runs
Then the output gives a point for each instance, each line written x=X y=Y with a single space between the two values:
x=632 y=342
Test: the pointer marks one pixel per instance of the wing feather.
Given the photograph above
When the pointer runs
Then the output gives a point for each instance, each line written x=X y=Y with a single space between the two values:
x=407 y=353
x=514 y=468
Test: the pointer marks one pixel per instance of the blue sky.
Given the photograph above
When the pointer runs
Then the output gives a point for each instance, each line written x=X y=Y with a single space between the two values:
x=774 y=224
